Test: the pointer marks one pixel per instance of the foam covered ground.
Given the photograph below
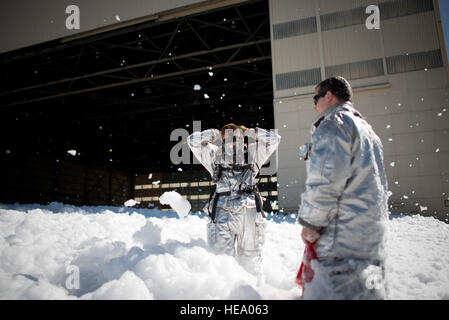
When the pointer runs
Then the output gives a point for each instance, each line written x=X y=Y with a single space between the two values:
x=128 y=253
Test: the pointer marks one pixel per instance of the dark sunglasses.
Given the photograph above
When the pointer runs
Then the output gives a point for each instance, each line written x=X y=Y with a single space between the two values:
x=317 y=97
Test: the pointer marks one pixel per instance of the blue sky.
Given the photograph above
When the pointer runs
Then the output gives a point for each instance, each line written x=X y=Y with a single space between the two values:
x=444 y=11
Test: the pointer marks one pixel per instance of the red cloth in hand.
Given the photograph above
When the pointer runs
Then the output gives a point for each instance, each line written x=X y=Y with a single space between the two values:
x=305 y=273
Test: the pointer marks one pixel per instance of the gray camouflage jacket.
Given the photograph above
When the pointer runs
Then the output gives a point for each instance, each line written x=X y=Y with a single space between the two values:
x=346 y=196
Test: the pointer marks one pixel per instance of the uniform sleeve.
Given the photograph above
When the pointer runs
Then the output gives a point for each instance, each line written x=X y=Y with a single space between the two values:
x=201 y=145
x=267 y=143
x=327 y=175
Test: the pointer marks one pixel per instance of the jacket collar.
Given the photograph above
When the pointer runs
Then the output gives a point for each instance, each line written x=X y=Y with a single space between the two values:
x=347 y=105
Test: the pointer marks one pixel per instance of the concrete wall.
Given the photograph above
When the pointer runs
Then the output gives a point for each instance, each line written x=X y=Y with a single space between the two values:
x=24 y=23
x=400 y=81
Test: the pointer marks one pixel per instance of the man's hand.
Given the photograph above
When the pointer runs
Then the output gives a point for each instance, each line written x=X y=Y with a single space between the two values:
x=309 y=235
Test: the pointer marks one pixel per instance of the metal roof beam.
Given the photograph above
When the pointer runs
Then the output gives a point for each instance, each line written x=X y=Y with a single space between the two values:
x=137 y=65
x=139 y=80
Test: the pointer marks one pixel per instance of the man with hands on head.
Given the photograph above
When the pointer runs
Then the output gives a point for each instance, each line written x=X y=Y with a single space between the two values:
x=233 y=156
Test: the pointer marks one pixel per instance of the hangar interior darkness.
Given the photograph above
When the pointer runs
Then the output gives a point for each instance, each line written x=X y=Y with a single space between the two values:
x=81 y=120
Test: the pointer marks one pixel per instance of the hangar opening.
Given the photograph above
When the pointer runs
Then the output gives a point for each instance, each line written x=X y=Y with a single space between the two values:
x=87 y=120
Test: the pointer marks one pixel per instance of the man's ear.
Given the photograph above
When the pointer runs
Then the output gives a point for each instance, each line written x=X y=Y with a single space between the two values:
x=328 y=96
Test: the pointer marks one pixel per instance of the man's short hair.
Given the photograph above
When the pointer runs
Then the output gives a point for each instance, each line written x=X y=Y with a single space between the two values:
x=338 y=86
